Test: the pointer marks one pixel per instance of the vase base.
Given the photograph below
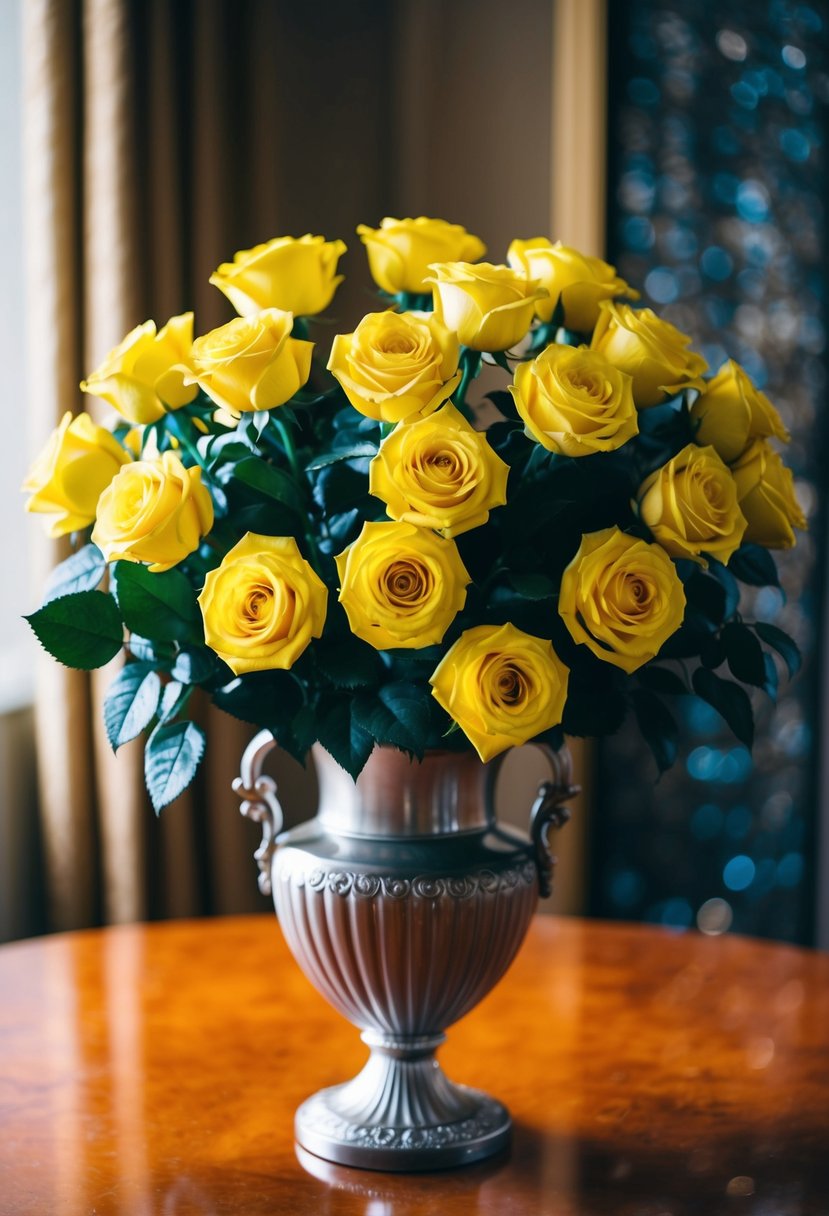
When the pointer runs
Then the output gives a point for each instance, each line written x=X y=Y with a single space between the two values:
x=321 y=1130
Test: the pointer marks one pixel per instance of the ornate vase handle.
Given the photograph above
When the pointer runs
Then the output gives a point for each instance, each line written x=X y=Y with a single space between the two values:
x=260 y=803
x=548 y=811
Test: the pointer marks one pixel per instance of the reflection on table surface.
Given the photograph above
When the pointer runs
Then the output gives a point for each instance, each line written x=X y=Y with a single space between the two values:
x=155 y=1069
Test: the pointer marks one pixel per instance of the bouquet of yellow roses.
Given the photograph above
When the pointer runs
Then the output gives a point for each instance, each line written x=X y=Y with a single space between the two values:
x=333 y=549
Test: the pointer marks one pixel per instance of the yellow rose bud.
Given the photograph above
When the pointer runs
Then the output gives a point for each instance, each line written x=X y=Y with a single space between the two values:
x=70 y=474
x=400 y=252
x=649 y=349
x=401 y=586
x=263 y=605
x=621 y=597
x=574 y=402
x=396 y=365
x=147 y=374
x=439 y=473
x=765 y=488
x=579 y=281
x=691 y=507
x=488 y=307
x=296 y=276
x=731 y=412
x=502 y=686
x=154 y=511
x=252 y=363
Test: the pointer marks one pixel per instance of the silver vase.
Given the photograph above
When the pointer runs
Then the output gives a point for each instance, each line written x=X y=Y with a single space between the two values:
x=403 y=902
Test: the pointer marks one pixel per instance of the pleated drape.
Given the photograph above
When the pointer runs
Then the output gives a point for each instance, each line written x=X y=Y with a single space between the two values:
x=159 y=138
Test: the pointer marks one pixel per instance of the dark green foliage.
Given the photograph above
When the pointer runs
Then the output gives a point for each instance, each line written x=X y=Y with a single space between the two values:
x=81 y=630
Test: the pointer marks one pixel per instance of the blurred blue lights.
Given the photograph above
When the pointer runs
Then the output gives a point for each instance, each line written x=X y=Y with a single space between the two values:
x=729 y=766
x=718 y=126
x=790 y=870
x=707 y=821
x=739 y=873
x=752 y=201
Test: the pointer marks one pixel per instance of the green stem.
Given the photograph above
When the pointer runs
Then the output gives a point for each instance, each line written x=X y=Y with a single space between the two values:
x=289 y=448
x=471 y=366
x=176 y=428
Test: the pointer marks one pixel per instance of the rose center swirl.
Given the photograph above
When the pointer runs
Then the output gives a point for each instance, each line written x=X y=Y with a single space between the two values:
x=407 y=582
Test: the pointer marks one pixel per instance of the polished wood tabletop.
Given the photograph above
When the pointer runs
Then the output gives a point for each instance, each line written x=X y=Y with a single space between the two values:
x=155 y=1069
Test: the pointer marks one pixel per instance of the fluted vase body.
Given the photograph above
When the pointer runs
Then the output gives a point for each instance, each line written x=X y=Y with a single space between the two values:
x=404 y=902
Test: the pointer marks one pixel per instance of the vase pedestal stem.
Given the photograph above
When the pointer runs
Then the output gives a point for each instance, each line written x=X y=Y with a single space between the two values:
x=401 y=1112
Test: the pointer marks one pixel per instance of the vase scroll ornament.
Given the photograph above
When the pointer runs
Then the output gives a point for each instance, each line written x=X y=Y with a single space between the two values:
x=404 y=902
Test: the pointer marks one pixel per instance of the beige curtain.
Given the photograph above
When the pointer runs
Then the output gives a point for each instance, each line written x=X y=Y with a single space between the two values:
x=161 y=136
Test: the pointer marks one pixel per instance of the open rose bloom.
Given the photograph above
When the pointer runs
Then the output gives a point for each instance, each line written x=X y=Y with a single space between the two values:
x=314 y=527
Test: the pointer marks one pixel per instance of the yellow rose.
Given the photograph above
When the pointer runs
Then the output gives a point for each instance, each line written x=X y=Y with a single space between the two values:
x=574 y=402
x=691 y=507
x=439 y=473
x=400 y=252
x=731 y=412
x=252 y=363
x=297 y=276
x=153 y=511
x=651 y=350
x=148 y=372
x=401 y=586
x=621 y=597
x=579 y=281
x=396 y=365
x=263 y=605
x=765 y=488
x=488 y=307
x=502 y=686
x=70 y=474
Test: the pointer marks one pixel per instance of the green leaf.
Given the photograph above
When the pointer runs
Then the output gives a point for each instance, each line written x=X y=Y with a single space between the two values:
x=193 y=665
x=588 y=711
x=344 y=738
x=264 y=698
x=711 y=651
x=340 y=488
x=772 y=682
x=744 y=654
x=171 y=758
x=505 y=403
x=730 y=701
x=161 y=607
x=500 y=358
x=150 y=652
x=173 y=700
x=355 y=452
x=708 y=596
x=729 y=584
x=268 y=480
x=348 y=664
x=82 y=630
x=533 y=586
x=658 y=727
x=297 y=736
x=662 y=680
x=256 y=423
x=754 y=565
x=130 y=703
x=399 y=715
x=82 y=571
x=785 y=646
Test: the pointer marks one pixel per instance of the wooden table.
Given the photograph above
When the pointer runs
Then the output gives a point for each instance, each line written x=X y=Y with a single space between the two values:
x=155 y=1069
